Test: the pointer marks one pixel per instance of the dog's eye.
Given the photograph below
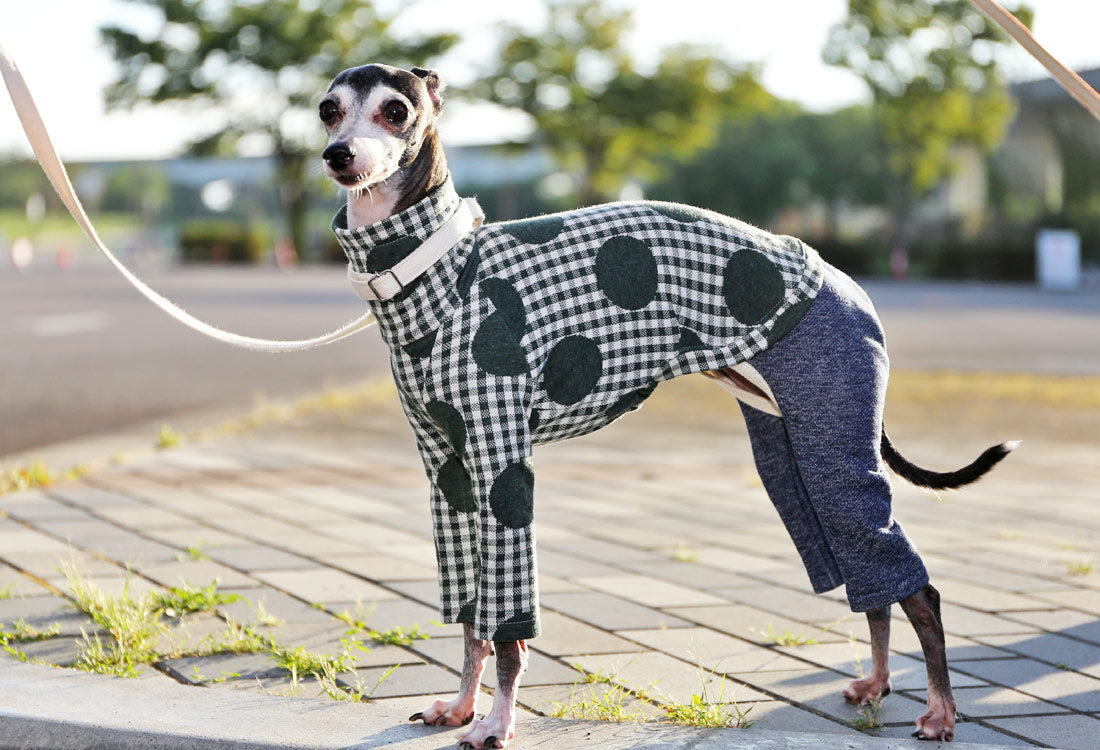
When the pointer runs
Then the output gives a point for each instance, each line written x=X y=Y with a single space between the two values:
x=328 y=111
x=395 y=112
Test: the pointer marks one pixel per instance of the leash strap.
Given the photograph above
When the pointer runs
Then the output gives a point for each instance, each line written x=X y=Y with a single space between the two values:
x=386 y=285
x=1075 y=85
x=59 y=178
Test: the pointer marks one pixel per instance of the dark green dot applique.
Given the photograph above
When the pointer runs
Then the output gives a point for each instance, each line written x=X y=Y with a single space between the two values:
x=422 y=347
x=468 y=274
x=626 y=272
x=388 y=254
x=630 y=402
x=689 y=341
x=686 y=214
x=521 y=626
x=512 y=495
x=497 y=347
x=455 y=485
x=752 y=286
x=788 y=320
x=466 y=612
x=450 y=421
x=533 y=421
x=572 y=370
x=537 y=231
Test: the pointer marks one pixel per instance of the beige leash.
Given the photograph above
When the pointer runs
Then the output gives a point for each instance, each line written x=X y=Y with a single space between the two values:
x=59 y=178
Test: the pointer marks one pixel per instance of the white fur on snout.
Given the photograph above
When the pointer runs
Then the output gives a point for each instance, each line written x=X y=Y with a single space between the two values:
x=376 y=147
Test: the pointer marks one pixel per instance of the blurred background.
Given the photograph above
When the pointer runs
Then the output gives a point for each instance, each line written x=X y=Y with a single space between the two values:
x=907 y=140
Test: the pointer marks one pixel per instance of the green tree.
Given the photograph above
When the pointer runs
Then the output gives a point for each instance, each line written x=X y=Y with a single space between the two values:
x=598 y=113
x=262 y=65
x=932 y=71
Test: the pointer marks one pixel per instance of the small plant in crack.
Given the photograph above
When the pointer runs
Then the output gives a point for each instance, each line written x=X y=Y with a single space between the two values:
x=868 y=717
x=786 y=638
x=186 y=599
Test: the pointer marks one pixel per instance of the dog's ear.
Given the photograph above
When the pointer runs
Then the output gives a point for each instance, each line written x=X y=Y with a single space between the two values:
x=435 y=86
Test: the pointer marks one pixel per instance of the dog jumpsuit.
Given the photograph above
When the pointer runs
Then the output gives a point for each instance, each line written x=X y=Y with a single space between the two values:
x=537 y=330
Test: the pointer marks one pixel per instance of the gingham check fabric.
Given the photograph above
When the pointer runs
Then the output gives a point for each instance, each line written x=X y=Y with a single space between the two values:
x=537 y=330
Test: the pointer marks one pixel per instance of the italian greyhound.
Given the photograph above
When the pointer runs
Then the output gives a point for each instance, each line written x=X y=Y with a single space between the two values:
x=515 y=334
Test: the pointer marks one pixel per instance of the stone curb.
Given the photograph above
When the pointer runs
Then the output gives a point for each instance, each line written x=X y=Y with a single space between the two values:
x=43 y=708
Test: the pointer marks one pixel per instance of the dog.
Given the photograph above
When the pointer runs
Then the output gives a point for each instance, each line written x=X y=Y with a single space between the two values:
x=507 y=335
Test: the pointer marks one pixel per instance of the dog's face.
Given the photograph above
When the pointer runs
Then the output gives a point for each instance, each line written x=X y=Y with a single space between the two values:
x=376 y=117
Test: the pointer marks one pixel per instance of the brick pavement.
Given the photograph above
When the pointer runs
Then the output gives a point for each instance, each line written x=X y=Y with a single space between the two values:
x=662 y=565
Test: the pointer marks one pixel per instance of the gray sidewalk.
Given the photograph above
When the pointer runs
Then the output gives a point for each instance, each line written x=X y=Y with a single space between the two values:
x=662 y=566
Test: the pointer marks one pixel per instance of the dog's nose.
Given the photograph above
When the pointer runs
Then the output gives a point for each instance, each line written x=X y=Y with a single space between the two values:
x=338 y=156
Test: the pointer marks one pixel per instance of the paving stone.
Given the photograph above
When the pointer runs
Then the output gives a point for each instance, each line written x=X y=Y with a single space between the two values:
x=256 y=557
x=392 y=613
x=549 y=699
x=713 y=650
x=42 y=612
x=197 y=669
x=740 y=562
x=1054 y=649
x=691 y=574
x=198 y=573
x=609 y=612
x=779 y=716
x=14 y=539
x=39 y=508
x=966 y=622
x=276 y=604
x=549 y=584
x=87 y=496
x=380 y=567
x=795 y=605
x=425 y=592
x=1044 y=681
x=665 y=678
x=414 y=679
x=143 y=517
x=116 y=585
x=823 y=691
x=188 y=535
x=1086 y=600
x=983 y=702
x=983 y=597
x=541 y=670
x=1072 y=732
x=324 y=585
x=333 y=640
x=650 y=592
x=368 y=537
x=854 y=660
x=1064 y=622
x=752 y=624
x=562 y=564
x=966 y=733
x=14 y=584
x=564 y=636
x=60 y=652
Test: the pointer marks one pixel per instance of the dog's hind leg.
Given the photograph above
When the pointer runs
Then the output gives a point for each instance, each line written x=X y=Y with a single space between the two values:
x=923 y=611
x=877 y=684
x=455 y=713
x=499 y=725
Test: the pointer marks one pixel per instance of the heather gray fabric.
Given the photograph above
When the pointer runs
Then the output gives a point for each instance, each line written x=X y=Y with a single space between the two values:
x=538 y=330
x=820 y=463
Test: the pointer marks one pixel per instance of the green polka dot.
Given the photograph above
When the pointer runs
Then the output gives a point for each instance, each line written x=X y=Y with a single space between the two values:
x=455 y=485
x=450 y=421
x=468 y=274
x=497 y=347
x=788 y=320
x=752 y=286
x=689 y=341
x=521 y=626
x=626 y=272
x=387 y=254
x=537 y=231
x=422 y=347
x=533 y=421
x=686 y=214
x=572 y=370
x=466 y=612
x=512 y=495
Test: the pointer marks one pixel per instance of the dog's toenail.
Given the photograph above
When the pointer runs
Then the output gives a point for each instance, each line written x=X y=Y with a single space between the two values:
x=417 y=716
x=491 y=741
x=467 y=720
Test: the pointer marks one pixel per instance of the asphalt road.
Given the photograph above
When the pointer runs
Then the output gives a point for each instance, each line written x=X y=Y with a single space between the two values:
x=82 y=353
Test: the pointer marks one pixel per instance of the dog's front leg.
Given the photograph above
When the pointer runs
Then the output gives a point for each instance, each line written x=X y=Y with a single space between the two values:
x=461 y=710
x=923 y=611
x=499 y=725
x=877 y=685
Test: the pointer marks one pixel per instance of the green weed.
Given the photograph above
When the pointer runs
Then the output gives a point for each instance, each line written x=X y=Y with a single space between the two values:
x=787 y=638
x=869 y=716
x=613 y=704
x=1081 y=567
x=683 y=553
x=396 y=636
x=7 y=592
x=183 y=600
x=167 y=437
x=37 y=474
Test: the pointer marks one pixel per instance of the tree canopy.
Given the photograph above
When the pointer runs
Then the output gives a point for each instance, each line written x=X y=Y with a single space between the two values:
x=263 y=64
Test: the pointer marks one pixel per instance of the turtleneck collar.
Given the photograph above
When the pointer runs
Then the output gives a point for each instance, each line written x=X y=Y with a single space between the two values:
x=428 y=301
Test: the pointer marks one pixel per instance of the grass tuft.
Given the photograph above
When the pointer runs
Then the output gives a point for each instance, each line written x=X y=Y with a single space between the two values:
x=868 y=717
x=36 y=474
x=786 y=638
x=167 y=437
x=1081 y=567
x=184 y=600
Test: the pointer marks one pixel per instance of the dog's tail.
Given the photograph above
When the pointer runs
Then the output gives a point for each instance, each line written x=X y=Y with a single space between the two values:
x=945 y=480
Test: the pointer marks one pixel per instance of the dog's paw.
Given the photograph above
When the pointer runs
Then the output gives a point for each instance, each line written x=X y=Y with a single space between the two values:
x=862 y=692
x=488 y=733
x=453 y=713
x=939 y=722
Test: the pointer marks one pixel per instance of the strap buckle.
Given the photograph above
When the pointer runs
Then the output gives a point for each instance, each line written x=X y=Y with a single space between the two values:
x=385 y=293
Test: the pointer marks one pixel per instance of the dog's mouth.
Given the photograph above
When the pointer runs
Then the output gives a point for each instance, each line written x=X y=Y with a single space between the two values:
x=353 y=181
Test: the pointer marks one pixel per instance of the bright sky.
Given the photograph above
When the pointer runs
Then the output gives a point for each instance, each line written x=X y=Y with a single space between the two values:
x=57 y=47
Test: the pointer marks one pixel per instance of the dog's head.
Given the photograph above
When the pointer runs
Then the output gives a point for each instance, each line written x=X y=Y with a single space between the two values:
x=377 y=118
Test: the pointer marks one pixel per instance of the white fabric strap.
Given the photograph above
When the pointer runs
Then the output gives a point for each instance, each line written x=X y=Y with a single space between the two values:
x=59 y=178
x=385 y=285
